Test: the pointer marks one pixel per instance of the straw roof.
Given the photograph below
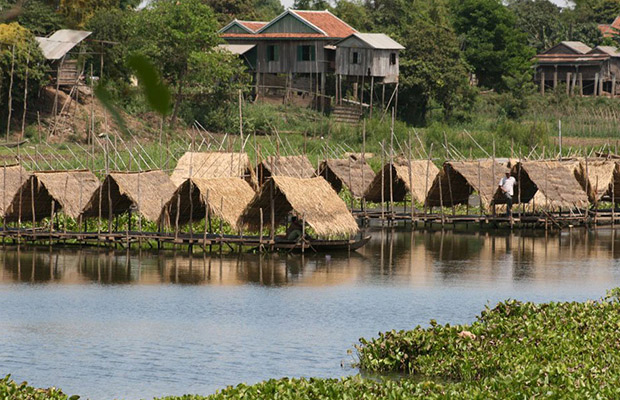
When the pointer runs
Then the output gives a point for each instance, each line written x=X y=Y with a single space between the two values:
x=11 y=179
x=355 y=174
x=213 y=165
x=293 y=166
x=313 y=199
x=596 y=178
x=226 y=198
x=69 y=190
x=552 y=184
x=459 y=179
x=415 y=177
x=147 y=191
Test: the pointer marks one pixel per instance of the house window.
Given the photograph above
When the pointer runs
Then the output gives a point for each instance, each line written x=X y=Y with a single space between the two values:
x=392 y=58
x=305 y=53
x=273 y=53
x=355 y=58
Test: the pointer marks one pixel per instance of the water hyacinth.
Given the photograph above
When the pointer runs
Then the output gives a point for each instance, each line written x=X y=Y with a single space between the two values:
x=515 y=350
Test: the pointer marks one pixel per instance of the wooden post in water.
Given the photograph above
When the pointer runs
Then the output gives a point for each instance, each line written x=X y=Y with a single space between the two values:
x=272 y=233
x=204 y=237
x=260 y=232
x=392 y=167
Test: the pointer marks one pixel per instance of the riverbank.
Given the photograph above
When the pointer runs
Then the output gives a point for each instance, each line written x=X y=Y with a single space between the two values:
x=513 y=350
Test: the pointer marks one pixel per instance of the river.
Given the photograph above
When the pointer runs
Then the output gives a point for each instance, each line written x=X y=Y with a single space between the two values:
x=111 y=324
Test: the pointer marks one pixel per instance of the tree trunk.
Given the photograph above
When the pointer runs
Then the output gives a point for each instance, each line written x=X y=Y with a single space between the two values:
x=177 y=102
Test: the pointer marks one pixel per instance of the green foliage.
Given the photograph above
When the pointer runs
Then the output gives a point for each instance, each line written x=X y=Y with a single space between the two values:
x=492 y=44
x=156 y=93
x=12 y=390
x=177 y=37
x=18 y=52
x=540 y=21
x=515 y=350
x=40 y=17
x=111 y=25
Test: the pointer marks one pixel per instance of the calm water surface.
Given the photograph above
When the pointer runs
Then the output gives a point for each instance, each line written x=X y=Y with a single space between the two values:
x=110 y=324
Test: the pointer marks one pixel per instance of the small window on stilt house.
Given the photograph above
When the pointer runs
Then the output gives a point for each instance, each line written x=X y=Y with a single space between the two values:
x=392 y=58
x=273 y=53
x=355 y=58
x=306 y=53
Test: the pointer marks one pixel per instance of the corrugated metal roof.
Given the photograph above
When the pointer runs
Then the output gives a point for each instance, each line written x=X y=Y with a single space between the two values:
x=52 y=49
x=577 y=46
x=69 y=35
x=611 y=50
x=571 y=59
x=378 y=41
x=237 y=48
x=60 y=43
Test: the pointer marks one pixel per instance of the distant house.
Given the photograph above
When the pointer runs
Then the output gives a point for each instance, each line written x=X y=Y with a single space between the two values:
x=583 y=70
x=57 y=50
x=296 y=52
x=609 y=30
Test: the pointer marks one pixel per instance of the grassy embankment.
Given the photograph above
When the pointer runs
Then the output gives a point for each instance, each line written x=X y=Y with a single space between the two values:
x=586 y=123
x=513 y=351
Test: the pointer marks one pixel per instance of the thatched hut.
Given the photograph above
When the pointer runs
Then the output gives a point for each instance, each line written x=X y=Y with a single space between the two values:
x=460 y=179
x=596 y=177
x=225 y=198
x=293 y=166
x=213 y=165
x=549 y=184
x=146 y=192
x=312 y=199
x=415 y=177
x=12 y=177
x=68 y=191
x=354 y=174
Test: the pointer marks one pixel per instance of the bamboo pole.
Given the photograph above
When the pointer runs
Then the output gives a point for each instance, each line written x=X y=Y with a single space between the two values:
x=25 y=95
x=10 y=103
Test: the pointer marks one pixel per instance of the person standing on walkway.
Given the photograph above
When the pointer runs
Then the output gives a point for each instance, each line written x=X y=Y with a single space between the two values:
x=507 y=184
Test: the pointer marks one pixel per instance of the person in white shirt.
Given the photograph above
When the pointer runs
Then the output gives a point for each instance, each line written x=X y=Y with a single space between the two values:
x=507 y=184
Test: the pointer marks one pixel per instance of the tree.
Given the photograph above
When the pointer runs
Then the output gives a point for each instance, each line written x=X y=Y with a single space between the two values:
x=19 y=52
x=115 y=27
x=175 y=35
x=492 y=44
x=540 y=20
x=266 y=10
x=431 y=66
x=311 y=5
x=354 y=13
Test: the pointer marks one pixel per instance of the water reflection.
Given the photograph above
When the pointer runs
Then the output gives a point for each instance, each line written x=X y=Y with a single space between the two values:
x=114 y=324
x=417 y=258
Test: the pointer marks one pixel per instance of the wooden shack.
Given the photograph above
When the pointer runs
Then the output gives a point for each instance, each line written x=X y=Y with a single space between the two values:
x=57 y=50
x=373 y=55
x=583 y=70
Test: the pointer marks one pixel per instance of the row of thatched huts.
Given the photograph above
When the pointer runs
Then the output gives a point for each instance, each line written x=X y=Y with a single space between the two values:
x=225 y=185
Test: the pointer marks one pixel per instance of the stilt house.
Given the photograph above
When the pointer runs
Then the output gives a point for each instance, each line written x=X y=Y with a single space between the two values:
x=583 y=70
x=292 y=56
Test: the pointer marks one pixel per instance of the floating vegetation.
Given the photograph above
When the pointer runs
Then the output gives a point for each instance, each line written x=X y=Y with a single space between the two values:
x=515 y=350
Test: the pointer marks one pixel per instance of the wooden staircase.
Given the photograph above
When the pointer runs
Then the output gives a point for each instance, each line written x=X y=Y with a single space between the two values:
x=347 y=114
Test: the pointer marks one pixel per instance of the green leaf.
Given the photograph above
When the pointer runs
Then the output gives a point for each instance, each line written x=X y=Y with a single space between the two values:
x=155 y=91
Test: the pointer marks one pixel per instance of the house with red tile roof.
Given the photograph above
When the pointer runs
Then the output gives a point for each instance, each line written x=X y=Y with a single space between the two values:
x=298 y=50
x=609 y=30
